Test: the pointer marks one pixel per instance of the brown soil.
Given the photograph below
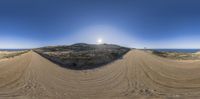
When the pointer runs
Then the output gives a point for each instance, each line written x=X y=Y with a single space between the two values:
x=139 y=75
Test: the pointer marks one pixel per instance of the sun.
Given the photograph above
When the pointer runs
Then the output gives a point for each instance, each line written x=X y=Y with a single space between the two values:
x=99 y=41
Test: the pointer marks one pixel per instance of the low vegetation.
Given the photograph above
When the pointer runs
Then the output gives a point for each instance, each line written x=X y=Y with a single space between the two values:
x=10 y=54
x=82 y=56
x=178 y=55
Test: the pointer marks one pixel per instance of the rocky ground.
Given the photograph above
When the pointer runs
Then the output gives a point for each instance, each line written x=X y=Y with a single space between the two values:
x=82 y=56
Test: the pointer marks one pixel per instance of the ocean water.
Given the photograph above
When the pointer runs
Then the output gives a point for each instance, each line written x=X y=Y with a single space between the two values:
x=179 y=50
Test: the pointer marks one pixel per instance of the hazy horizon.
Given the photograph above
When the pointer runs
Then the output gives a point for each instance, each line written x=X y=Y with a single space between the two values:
x=130 y=23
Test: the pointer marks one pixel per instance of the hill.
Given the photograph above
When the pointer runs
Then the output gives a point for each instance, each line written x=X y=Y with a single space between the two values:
x=82 y=56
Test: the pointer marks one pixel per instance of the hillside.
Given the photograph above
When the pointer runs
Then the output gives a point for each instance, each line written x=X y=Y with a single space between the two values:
x=82 y=56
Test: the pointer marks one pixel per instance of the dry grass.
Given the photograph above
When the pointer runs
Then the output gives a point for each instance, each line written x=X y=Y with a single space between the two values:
x=83 y=56
x=178 y=55
x=10 y=54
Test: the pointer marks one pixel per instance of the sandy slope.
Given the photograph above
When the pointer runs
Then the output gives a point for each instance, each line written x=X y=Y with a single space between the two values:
x=137 y=75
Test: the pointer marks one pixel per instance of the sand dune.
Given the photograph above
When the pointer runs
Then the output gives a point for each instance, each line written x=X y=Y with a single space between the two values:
x=138 y=75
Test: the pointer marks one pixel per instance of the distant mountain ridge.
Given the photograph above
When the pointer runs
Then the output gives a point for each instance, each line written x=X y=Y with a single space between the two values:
x=80 y=47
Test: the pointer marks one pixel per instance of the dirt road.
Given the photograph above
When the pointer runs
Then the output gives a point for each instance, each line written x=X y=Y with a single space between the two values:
x=138 y=75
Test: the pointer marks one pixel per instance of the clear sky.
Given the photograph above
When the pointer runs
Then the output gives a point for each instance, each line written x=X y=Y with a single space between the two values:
x=133 y=23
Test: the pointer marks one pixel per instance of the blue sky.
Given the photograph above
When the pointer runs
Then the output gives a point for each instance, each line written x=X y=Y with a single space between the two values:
x=132 y=23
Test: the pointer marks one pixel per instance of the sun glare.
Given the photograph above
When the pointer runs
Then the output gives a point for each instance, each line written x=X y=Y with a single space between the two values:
x=99 y=41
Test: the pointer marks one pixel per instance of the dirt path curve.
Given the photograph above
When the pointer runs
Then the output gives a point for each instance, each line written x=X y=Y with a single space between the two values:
x=137 y=75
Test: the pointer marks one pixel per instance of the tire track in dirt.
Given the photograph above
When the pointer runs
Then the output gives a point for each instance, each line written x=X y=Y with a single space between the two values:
x=137 y=75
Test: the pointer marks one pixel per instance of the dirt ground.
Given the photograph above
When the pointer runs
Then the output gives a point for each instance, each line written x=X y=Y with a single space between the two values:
x=138 y=75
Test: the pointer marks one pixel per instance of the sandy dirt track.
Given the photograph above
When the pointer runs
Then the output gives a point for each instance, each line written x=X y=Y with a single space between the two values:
x=138 y=75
